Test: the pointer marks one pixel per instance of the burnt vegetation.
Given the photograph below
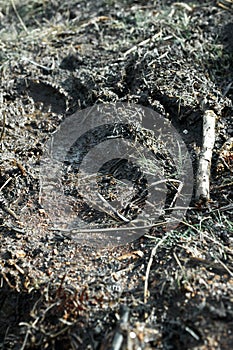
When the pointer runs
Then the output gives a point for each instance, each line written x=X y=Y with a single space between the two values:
x=166 y=290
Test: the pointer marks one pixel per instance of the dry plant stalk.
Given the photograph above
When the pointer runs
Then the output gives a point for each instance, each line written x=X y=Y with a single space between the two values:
x=203 y=173
x=3 y=127
x=153 y=252
x=18 y=16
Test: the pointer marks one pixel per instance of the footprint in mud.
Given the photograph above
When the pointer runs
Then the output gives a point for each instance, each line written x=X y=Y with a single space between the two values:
x=47 y=96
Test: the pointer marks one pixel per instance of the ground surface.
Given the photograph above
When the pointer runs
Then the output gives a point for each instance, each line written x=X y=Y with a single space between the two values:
x=166 y=290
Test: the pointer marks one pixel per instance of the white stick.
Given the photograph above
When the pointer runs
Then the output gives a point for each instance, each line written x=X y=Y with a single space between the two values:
x=203 y=173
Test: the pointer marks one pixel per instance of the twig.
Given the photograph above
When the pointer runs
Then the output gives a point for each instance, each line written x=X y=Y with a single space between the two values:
x=176 y=195
x=106 y=229
x=224 y=185
x=118 y=337
x=10 y=212
x=5 y=183
x=225 y=6
x=13 y=228
x=178 y=262
x=225 y=267
x=109 y=206
x=25 y=340
x=221 y=209
x=3 y=126
x=18 y=16
x=153 y=251
x=3 y=204
x=203 y=173
x=192 y=333
x=143 y=43
x=183 y=5
x=5 y=208
x=165 y=180
x=40 y=65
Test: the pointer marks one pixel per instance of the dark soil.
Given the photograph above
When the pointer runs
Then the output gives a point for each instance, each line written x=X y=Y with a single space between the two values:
x=166 y=290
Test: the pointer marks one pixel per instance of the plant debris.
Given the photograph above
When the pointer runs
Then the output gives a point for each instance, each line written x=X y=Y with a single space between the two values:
x=166 y=290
